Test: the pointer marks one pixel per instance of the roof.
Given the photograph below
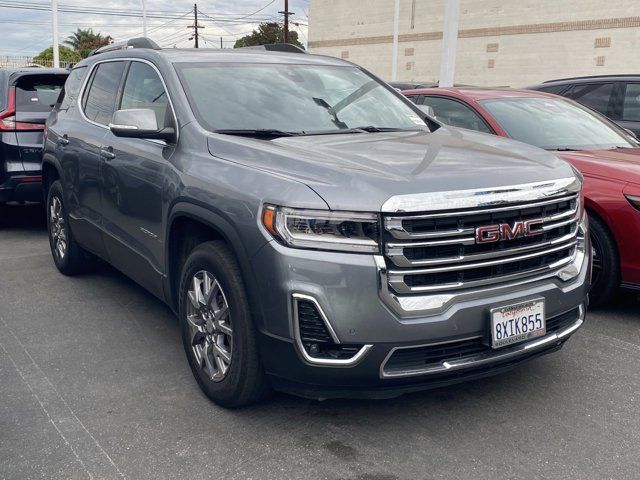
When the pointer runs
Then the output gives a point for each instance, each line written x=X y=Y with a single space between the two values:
x=624 y=76
x=34 y=70
x=478 y=93
x=197 y=55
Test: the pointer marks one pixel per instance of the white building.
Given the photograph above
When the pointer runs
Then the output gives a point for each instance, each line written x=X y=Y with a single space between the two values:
x=500 y=42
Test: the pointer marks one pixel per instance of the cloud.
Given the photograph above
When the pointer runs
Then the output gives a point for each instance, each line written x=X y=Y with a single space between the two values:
x=27 y=32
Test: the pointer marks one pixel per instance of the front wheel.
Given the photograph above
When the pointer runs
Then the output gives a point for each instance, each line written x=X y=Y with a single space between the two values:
x=217 y=330
x=606 y=264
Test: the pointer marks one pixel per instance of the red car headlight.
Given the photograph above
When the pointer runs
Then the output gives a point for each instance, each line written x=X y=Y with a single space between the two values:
x=634 y=200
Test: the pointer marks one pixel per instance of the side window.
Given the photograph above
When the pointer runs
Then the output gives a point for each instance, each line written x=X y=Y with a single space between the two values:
x=143 y=89
x=555 y=89
x=415 y=99
x=594 y=95
x=631 y=106
x=69 y=93
x=99 y=99
x=456 y=114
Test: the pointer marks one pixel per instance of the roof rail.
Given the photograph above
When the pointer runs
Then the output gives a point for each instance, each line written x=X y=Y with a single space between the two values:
x=278 y=47
x=138 y=42
x=587 y=77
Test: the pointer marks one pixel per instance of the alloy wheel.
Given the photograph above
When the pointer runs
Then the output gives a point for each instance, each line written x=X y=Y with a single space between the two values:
x=57 y=228
x=596 y=253
x=209 y=325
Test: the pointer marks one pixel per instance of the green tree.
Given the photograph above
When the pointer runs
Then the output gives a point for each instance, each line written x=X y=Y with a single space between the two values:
x=83 y=41
x=268 y=32
x=67 y=55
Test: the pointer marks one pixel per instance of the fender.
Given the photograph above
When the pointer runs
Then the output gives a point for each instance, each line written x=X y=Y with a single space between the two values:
x=226 y=230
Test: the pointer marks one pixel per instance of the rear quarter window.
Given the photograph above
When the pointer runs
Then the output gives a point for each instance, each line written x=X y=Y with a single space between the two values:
x=69 y=93
x=38 y=93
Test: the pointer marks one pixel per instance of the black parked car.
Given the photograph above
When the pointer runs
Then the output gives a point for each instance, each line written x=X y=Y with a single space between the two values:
x=27 y=96
x=616 y=96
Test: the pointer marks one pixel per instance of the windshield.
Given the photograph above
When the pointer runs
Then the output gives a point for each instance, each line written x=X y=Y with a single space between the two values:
x=291 y=98
x=554 y=124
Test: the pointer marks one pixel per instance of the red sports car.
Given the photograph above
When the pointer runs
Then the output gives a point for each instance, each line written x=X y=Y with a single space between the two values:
x=607 y=156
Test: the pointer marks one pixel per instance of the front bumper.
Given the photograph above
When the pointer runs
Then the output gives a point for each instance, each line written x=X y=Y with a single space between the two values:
x=348 y=289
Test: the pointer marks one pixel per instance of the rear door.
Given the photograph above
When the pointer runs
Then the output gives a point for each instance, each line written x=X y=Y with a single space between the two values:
x=35 y=96
x=630 y=116
x=81 y=140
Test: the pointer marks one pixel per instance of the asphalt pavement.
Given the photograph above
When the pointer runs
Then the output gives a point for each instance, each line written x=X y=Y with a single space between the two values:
x=94 y=384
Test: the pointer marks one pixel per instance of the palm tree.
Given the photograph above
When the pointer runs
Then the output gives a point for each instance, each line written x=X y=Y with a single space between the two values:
x=83 y=41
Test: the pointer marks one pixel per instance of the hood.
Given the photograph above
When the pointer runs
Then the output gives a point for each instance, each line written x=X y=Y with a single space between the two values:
x=621 y=164
x=362 y=171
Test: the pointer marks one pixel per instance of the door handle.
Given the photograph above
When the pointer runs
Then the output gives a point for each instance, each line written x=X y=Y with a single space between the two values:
x=107 y=153
x=63 y=140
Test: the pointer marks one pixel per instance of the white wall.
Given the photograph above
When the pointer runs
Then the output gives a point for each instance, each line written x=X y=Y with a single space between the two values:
x=565 y=46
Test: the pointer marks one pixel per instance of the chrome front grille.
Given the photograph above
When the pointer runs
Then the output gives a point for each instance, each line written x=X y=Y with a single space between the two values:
x=437 y=251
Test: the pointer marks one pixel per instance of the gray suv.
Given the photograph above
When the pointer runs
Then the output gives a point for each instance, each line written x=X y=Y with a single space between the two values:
x=312 y=229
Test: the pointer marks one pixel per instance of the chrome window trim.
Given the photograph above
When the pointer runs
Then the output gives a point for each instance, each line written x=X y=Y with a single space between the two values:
x=481 y=197
x=88 y=76
x=485 y=358
x=347 y=362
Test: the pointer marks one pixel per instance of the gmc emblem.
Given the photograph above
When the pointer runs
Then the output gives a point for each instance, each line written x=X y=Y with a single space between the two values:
x=504 y=231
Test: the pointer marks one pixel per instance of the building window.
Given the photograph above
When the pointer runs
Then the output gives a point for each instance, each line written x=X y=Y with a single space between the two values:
x=344 y=54
x=492 y=47
x=602 y=42
x=491 y=63
x=600 y=61
x=408 y=52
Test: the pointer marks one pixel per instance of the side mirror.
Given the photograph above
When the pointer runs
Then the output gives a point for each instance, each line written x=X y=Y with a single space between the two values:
x=428 y=109
x=139 y=123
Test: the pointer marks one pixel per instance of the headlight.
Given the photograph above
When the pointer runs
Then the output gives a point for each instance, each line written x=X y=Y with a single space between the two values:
x=324 y=230
x=634 y=200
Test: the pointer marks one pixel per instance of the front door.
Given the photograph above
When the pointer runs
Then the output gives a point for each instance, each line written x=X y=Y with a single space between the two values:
x=133 y=181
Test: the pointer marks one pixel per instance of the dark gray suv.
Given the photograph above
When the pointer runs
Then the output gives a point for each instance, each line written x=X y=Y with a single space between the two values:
x=312 y=229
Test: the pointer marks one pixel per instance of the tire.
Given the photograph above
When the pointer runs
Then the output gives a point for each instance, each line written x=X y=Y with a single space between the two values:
x=210 y=280
x=3 y=215
x=69 y=257
x=606 y=264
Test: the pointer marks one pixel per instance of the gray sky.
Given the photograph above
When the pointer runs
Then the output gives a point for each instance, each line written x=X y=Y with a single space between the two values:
x=26 y=32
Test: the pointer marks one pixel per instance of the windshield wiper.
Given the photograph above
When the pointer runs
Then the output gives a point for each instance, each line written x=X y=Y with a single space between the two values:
x=365 y=129
x=373 y=129
x=263 y=132
x=563 y=149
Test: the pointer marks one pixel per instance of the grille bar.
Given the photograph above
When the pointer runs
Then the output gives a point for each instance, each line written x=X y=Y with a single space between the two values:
x=485 y=210
x=395 y=251
x=400 y=286
x=396 y=225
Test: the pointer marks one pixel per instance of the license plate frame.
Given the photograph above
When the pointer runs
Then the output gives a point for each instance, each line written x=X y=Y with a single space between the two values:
x=521 y=320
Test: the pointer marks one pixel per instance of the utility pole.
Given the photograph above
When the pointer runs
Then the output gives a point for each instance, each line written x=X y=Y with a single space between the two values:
x=394 y=54
x=286 y=14
x=449 y=42
x=220 y=42
x=54 y=27
x=144 y=18
x=195 y=25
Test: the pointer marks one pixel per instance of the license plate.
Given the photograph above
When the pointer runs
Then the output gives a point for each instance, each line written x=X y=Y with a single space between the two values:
x=516 y=323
